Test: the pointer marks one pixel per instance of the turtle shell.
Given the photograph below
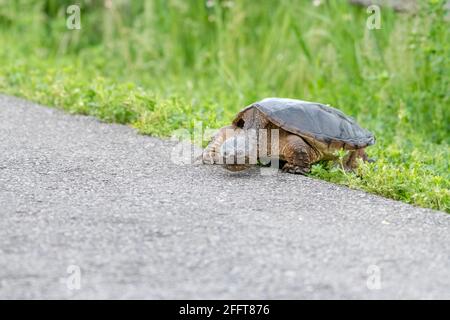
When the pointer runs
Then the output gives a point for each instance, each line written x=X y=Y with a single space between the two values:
x=313 y=120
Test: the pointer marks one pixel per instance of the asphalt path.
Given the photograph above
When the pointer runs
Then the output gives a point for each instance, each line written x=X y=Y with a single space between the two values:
x=91 y=210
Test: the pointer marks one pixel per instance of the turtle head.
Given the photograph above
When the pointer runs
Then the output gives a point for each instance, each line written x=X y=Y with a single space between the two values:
x=236 y=152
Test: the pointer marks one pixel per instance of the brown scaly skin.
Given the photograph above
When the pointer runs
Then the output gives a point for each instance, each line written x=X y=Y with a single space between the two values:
x=299 y=153
x=211 y=153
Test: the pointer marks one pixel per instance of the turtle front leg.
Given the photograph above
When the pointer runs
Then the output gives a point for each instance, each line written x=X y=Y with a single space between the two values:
x=298 y=155
x=211 y=153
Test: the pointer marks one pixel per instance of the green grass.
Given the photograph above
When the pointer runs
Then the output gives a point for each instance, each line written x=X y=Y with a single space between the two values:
x=163 y=65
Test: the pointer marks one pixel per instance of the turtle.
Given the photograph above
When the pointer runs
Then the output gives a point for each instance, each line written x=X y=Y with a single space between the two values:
x=307 y=132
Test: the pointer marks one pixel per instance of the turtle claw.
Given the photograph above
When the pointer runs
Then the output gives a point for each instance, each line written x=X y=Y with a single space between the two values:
x=207 y=158
x=210 y=158
x=291 y=168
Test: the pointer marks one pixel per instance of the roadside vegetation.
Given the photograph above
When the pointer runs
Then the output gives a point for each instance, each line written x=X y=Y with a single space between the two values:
x=163 y=65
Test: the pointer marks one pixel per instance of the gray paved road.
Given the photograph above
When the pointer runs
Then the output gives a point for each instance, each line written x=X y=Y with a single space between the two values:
x=74 y=191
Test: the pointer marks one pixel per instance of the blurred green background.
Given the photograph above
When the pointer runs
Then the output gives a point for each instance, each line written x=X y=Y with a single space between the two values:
x=162 y=65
